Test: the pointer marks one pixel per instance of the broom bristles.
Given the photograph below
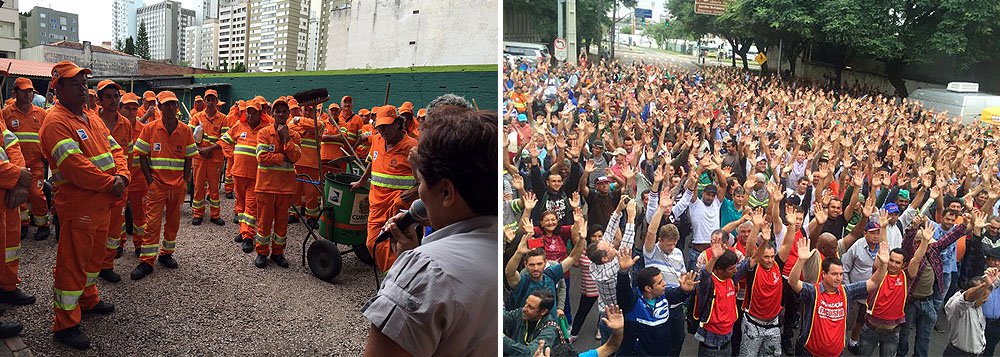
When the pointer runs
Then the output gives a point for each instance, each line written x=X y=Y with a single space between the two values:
x=312 y=96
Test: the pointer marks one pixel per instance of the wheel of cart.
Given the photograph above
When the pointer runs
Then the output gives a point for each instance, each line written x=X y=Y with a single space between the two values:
x=343 y=221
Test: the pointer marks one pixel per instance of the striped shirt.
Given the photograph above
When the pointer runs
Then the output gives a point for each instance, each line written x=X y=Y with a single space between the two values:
x=588 y=286
x=606 y=274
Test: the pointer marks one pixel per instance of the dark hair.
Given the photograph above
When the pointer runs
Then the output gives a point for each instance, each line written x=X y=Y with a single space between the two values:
x=548 y=300
x=831 y=261
x=726 y=260
x=563 y=350
x=645 y=277
x=595 y=255
x=668 y=232
x=972 y=282
x=534 y=253
x=460 y=144
x=898 y=251
x=596 y=227
x=952 y=212
x=100 y=92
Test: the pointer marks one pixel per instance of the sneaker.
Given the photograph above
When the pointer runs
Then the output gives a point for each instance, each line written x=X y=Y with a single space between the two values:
x=118 y=252
x=25 y=231
x=238 y=238
x=572 y=339
x=137 y=252
x=141 y=271
x=109 y=275
x=218 y=221
x=42 y=233
x=167 y=260
x=312 y=223
x=598 y=335
x=280 y=260
x=16 y=297
x=261 y=261
x=10 y=329
x=102 y=308
x=236 y=220
x=196 y=221
x=248 y=245
x=229 y=195
x=73 y=337
x=293 y=219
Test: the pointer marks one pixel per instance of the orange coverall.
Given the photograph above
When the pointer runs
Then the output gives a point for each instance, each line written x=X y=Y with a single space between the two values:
x=13 y=156
x=137 y=188
x=208 y=169
x=25 y=127
x=390 y=176
x=307 y=164
x=243 y=140
x=81 y=157
x=122 y=133
x=274 y=171
x=231 y=120
x=167 y=152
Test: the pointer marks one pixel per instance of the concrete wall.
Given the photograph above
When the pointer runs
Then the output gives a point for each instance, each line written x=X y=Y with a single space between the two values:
x=103 y=64
x=10 y=30
x=368 y=90
x=390 y=33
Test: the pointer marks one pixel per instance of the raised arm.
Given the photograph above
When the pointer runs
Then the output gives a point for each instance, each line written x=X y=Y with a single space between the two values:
x=924 y=235
x=804 y=254
x=579 y=231
x=794 y=224
x=510 y=271
x=881 y=265
x=654 y=225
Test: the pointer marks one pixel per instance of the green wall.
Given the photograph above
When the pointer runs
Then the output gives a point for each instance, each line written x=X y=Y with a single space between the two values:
x=419 y=85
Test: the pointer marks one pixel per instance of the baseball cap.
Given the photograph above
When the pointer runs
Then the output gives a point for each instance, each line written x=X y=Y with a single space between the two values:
x=216 y=94
x=872 y=226
x=422 y=112
x=253 y=103
x=603 y=179
x=347 y=99
x=292 y=103
x=166 y=96
x=23 y=83
x=130 y=98
x=710 y=188
x=148 y=95
x=598 y=144
x=198 y=98
x=993 y=252
x=619 y=151
x=66 y=69
x=92 y=92
x=385 y=115
x=522 y=118
x=891 y=208
x=107 y=82
x=333 y=105
x=904 y=194
x=407 y=107
x=363 y=112
x=760 y=177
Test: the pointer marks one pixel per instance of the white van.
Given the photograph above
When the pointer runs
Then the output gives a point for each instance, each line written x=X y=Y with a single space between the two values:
x=964 y=104
x=526 y=51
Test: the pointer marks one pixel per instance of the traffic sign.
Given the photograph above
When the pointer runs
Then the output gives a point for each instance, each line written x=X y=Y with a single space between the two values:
x=560 y=49
x=710 y=7
x=761 y=58
x=643 y=13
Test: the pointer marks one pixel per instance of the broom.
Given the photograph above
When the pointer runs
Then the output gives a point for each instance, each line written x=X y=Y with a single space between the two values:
x=314 y=97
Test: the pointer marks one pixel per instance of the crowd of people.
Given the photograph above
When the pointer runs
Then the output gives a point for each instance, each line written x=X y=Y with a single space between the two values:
x=103 y=164
x=760 y=215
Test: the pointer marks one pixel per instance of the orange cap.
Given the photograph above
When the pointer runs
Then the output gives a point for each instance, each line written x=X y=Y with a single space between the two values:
x=107 y=82
x=253 y=103
x=66 y=69
x=333 y=105
x=347 y=98
x=121 y=92
x=292 y=103
x=198 y=98
x=364 y=112
x=216 y=94
x=148 y=95
x=23 y=83
x=407 y=107
x=385 y=115
x=281 y=100
x=166 y=96
x=422 y=112
x=130 y=98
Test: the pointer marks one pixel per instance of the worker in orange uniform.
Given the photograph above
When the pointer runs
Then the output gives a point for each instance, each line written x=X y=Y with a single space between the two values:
x=235 y=113
x=331 y=140
x=136 y=188
x=208 y=164
x=165 y=149
x=148 y=111
x=78 y=149
x=92 y=100
x=199 y=105
x=308 y=164
x=15 y=181
x=414 y=128
x=406 y=111
x=277 y=151
x=24 y=119
x=364 y=144
x=393 y=186
x=243 y=139
x=121 y=131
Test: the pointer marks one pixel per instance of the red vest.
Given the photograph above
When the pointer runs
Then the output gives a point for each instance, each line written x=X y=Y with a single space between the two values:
x=764 y=300
x=829 y=323
x=722 y=313
x=886 y=302
x=793 y=255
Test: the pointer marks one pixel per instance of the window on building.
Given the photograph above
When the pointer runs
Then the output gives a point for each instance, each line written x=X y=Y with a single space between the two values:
x=6 y=29
x=62 y=20
x=43 y=24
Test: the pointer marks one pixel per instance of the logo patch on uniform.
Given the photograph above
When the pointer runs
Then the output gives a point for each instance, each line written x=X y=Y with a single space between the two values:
x=15 y=123
x=243 y=135
x=82 y=133
x=156 y=146
x=374 y=155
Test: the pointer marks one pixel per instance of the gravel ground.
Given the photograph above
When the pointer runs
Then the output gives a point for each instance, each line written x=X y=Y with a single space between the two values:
x=215 y=303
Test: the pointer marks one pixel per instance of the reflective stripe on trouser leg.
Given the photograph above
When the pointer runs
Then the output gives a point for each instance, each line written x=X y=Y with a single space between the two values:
x=310 y=194
x=116 y=232
x=156 y=201
x=36 y=198
x=280 y=231
x=11 y=242
x=137 y=202
x=82 y=243
x=175 y=197
x=23 y=216
x=245 y=193
x=213 y=172
x=266 y=210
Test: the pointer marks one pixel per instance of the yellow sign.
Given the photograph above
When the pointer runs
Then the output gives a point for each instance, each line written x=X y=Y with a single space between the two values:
x=761 y=58
x=990 y=115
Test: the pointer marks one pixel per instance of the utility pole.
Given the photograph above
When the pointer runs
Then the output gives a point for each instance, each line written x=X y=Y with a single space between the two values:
x=560 y=16
x=571 y=31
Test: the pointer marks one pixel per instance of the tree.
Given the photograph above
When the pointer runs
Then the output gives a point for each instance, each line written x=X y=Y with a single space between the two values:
x=239 y=67
x=142 y=42
x=129 y=46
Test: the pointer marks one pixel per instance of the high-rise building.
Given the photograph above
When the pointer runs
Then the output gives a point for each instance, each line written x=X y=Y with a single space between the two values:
x=44 y=26
x=232 y=33
x=202 y=43
x=165 y=22
x=206 y=9
x=10 y=30
x=313 y=49
x=278 y=30
x=123 y=23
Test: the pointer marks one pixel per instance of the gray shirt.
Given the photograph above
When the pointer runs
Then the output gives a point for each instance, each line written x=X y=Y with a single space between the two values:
x=858 y=261
x=433 y=292
x=968 y=325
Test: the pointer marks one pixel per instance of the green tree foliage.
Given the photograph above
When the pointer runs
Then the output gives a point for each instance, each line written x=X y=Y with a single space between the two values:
x=142 y=42
x=593 y=18
x=129 y=46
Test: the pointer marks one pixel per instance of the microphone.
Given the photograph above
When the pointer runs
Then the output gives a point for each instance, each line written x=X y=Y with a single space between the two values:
x=416 y=213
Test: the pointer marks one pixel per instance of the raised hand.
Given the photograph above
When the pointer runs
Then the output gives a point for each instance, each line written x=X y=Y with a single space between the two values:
x=628 y=172
x=590 y=166
x=630 y=210
x=508 y=234
x=980 y=218
x=883 y=253
x=621 y=203
x=869 y=208
x=615 y=319
x=803 y=248
x=529 y=200
x=758 y=217
x=688 y=282
x=883 y=218
x=574 y=200
x=518 y=182
x=716 y=246
x=625 y=259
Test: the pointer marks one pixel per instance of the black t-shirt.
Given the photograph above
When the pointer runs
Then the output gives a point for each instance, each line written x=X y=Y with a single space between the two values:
x=600 y=207
x=835 y=226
